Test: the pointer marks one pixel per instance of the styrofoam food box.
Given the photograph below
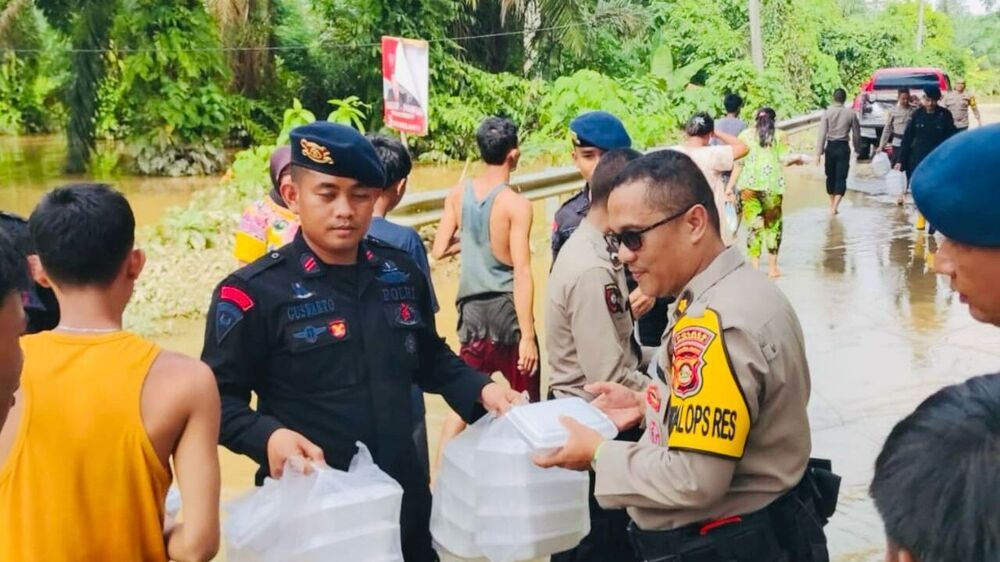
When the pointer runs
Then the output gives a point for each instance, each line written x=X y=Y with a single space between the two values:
x=539 y=422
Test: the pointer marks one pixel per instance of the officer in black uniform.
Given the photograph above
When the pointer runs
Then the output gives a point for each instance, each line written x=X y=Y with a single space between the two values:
x=329 y=332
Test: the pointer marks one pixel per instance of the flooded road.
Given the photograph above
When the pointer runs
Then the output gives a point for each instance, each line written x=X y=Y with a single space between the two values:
x=882 y=331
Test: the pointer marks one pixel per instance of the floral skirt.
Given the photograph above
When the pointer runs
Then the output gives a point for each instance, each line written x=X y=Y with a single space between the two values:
x=762 y=218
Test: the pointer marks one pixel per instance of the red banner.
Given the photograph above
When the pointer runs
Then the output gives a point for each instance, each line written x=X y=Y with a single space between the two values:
x=405 y=80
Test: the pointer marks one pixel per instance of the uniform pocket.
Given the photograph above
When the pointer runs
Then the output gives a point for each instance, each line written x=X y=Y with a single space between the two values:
x=406 y=322
x=318 y=353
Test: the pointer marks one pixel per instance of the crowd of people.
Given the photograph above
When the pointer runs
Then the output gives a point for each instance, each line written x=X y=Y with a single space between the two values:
x=652 y=313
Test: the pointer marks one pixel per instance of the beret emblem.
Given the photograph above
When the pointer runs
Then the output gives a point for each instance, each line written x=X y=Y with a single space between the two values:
x=315 y=152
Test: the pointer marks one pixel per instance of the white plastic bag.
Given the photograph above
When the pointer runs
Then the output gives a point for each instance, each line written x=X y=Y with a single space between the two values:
x=895 y=182
x=881 y=164
x=732 y=216
x=327 y=515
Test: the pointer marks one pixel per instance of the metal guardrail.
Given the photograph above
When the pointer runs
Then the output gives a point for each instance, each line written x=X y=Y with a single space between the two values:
x=421 y=209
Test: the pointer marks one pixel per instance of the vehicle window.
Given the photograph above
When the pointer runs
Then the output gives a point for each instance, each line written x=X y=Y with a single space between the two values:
x=947 y=82
x=913 y=81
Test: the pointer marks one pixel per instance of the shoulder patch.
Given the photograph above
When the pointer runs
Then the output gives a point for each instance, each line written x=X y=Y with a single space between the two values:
x=254 y=269
x=227 y=316
x=708 y=412
x=613 y=298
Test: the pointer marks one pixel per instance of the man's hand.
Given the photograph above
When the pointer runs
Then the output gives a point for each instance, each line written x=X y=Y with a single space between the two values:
x=498 y=399
x=624 y=406
x=640 y=303
x=819 y=160
x=284 y=445
x=527 y=356
x=898 y=167
x=578 y=452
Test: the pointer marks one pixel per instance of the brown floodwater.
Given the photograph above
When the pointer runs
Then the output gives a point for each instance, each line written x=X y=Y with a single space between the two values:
x=882 y=331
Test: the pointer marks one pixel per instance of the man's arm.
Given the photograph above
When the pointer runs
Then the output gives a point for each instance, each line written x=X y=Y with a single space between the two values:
x=653 y=476
x=524 y=290
x=196 y=464
x=821 y=135
x=738 y=148
x=975 y=110
x=235 y=350
x=593 y=315
x=886 y=132
x=445 y=241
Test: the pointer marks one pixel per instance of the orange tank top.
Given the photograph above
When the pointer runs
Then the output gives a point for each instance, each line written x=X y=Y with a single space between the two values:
x=82 y=480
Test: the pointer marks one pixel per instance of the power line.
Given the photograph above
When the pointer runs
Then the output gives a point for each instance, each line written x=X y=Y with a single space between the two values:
x=280 y=48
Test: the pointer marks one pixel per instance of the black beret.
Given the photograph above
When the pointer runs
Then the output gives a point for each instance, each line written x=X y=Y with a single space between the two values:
x=337 y=150
x=957 y=190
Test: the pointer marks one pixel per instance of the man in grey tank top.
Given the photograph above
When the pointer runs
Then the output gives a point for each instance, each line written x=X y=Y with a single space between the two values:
x=490 y=224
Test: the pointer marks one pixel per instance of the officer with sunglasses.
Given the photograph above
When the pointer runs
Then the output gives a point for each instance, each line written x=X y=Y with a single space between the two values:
x=722 y=471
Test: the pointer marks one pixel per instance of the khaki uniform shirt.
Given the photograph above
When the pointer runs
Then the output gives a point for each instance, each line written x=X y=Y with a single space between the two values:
x=895 y=125
x=838 y=123
x=666 y=488
x=959 y=105
x=588 y=322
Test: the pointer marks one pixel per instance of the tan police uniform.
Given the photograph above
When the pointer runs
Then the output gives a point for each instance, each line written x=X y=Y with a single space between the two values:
x=839 y=123
x=895 y=125
x=735 y=382
x=588 y=321
x=959 y=105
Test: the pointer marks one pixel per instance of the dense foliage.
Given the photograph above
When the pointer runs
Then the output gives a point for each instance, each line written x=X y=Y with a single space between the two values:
x=178 y=80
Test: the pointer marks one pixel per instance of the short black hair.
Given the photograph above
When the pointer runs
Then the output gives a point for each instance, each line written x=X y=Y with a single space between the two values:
x=839 y=95
x=83 y=233
x=608 y=167
x=496 y=137
x=933 y=92
x=733 y=103
x=701 y=123
x=903 y=91
x=14 y=275
x=394 y=156
x=936 y=483
x=673 y=183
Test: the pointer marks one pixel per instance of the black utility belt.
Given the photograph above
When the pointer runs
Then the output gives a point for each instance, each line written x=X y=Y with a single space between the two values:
x=689 y=539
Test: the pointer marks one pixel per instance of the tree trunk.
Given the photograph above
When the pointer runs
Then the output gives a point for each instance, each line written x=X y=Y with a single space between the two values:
x=756 y=39
x=90 y=37
x=9 y=13
x=532 y=17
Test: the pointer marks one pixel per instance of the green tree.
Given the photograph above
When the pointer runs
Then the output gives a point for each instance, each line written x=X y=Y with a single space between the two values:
x=88 y=23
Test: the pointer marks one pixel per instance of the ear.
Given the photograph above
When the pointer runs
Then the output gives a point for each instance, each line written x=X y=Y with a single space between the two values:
x=290 y=193
x=38 y=272
x=514 y=156
x=135 y=263
x=400 y=189
x=698 y=223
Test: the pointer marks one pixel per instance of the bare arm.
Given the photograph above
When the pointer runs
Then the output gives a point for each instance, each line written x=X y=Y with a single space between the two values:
x=196 y=462
x=740 y=148
x=733 y=178
x=446 y=242
x=524 y=290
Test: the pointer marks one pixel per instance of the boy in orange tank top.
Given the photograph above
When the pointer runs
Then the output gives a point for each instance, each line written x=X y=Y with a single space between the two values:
x=85 y=454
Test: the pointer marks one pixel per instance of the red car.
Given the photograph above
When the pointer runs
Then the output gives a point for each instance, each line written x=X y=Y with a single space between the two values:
x=879 y=93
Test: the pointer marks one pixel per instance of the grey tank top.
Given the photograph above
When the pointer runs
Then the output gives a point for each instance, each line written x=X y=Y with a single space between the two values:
x=482 y=273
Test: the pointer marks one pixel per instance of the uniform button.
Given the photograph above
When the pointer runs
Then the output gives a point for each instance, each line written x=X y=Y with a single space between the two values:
x=274 y=255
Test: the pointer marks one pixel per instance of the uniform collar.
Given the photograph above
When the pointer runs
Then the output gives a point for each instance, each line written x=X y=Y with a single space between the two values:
x=725 y=263
x=595 y=238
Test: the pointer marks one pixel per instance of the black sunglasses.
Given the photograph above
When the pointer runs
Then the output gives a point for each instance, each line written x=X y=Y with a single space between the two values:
x=632 y=239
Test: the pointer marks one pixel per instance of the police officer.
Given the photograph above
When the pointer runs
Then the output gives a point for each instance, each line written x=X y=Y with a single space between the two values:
x=593 y=133
x=330 y=330
x=716 y=473
x=896 y=122
x=959 y=102
x=41 y=308
x=956 y=190
x=928 y=128
x=589 y=338
x=838 y=126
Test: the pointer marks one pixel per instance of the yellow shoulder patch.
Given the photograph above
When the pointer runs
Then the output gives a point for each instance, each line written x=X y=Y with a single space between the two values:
x=708 y=412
